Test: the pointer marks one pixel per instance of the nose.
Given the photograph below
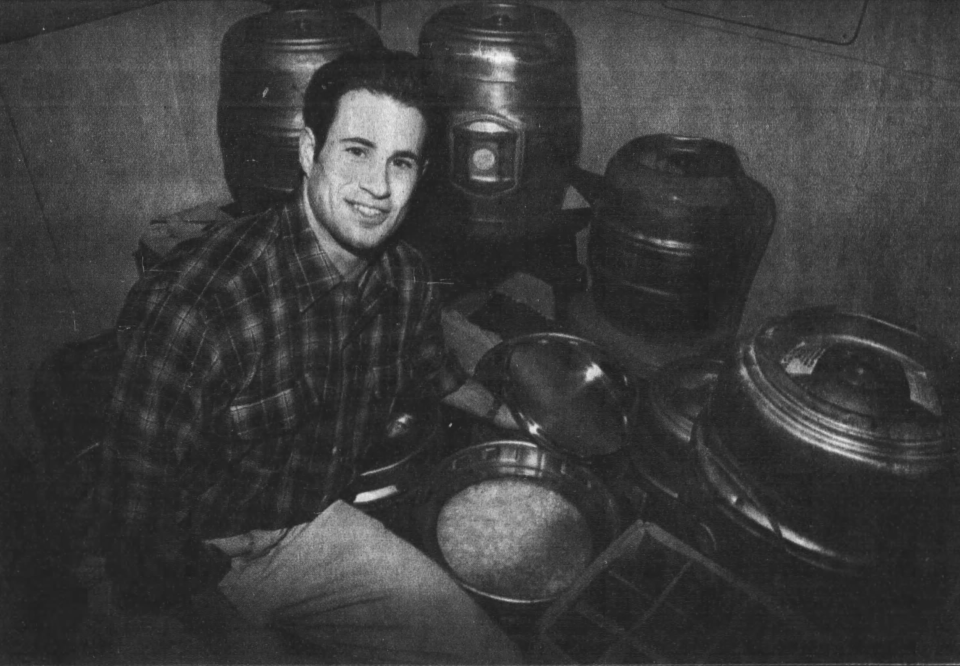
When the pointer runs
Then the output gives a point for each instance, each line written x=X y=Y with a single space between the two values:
x=375 y=180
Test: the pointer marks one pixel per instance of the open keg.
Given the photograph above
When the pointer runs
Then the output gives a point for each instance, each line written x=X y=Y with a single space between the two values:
x=514 y=523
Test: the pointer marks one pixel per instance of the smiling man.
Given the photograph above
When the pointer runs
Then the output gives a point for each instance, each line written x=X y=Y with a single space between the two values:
x=261 y=361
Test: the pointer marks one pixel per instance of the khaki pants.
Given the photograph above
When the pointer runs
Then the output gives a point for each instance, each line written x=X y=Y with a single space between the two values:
x=354 y=592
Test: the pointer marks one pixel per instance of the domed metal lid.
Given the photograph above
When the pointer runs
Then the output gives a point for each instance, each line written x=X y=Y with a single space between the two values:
x=492 y=19
x=693 y=183
x=877 y=390
x=488 y=41
x=308 y=28
x=565 y=392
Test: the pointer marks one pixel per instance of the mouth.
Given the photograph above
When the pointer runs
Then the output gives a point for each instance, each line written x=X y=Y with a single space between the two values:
x=369 y=213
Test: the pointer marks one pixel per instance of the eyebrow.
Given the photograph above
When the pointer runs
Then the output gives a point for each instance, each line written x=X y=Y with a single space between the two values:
x=408 y=154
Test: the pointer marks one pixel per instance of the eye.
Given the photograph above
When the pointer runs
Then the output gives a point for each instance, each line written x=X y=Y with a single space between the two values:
x=405 y=163
x=356 y=151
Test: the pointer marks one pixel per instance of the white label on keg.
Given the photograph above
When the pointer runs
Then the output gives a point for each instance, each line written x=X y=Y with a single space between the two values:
x=802 y=359
x=922 y=391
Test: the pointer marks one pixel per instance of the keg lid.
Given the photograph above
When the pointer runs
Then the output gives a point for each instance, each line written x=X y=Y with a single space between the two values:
x=884 y=391
x=308 y=27
x=566 y=392
x=490 y=39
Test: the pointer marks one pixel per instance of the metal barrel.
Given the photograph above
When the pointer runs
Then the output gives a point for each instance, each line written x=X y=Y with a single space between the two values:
x=506 y=75
x=266 y=62
x=677 y=235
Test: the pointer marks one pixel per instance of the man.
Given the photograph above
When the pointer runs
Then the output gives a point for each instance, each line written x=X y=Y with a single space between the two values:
x=261 y=360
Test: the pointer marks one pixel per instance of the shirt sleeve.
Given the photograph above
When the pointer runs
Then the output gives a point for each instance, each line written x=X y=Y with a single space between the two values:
x=158 y=409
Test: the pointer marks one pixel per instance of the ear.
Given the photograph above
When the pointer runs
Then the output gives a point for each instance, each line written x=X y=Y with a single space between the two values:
x=308 y=145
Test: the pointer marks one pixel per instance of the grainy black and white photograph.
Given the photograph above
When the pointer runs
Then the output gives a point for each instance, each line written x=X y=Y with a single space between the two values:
x=479 y=332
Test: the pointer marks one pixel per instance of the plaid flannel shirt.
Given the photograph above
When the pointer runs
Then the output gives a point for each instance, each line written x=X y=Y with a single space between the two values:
x=254 y=377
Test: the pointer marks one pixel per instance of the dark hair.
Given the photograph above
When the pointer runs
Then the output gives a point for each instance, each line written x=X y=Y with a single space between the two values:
x=395 y=74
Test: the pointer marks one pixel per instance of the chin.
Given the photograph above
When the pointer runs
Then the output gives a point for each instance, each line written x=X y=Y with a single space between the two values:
x=366 y=245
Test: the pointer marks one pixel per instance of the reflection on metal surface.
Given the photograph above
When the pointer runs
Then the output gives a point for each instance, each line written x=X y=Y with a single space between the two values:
x=566 y=392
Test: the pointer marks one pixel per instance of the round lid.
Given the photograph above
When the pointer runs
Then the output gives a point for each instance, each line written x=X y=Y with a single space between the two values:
x=308 y=27
x=501 y=35
x=564 y=391
x=678 y=392
x=498 y=19
x=696 y=170
x=879 y=391
x=691 y=183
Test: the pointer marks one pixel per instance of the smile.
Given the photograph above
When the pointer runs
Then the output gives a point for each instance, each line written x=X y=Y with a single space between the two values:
x=368 y=212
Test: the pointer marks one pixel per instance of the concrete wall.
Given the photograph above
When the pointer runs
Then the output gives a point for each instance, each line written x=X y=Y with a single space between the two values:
x=108 y=125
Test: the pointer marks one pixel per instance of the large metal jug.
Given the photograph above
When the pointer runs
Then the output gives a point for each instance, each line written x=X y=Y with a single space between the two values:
x=677 y=235
x=266 y=62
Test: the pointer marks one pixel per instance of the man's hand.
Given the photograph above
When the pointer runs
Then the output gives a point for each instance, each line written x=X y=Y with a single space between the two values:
x=154 y=573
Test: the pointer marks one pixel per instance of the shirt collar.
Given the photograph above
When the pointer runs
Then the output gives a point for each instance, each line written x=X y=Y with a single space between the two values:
x=314 y=273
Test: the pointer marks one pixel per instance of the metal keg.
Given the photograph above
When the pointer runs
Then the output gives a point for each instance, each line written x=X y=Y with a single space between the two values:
x=830 y=447
x=266 y=62
x=677 y=235
x=507 y=75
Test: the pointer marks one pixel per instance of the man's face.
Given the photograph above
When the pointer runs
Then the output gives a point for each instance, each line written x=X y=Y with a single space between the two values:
x=360 y=184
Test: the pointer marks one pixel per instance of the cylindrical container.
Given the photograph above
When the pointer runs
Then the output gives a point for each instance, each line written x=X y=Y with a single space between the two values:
x=266 y=62
x=678 y=233
x=833 y=439
x=514 y=523
x=506 y=73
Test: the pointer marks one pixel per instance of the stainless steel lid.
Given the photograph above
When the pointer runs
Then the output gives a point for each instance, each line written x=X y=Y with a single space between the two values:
x=857 y=387
x=566 y=392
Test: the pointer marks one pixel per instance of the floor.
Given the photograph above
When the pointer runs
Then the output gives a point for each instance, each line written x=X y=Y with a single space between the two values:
x=47 y=617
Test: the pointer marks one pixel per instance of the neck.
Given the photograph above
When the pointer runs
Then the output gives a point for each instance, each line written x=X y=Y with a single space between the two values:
x=348 y=264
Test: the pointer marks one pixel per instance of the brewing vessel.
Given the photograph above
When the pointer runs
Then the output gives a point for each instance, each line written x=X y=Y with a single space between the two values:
x=832 y=442
x=677 y=235
x=507 y=78
x=266 y=62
